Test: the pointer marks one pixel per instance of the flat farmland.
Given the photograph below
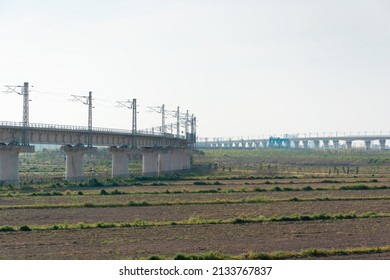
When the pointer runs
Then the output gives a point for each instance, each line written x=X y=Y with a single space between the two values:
x=296 y=213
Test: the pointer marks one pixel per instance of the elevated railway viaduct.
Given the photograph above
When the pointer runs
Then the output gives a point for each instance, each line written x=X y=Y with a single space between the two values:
x=160 y=152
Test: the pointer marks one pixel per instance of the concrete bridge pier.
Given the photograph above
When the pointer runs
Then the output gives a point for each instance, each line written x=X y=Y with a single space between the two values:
x=316 y=144
x=185 y=156
x=349 y=144
x=120 y=160
x=382 y=143
x=264 y=143
x=326 y=143
x=296 y=144
x=74 y=170
x=368 y=144
x=9 y=162
x=305 y=144
x=174 y=160
x=150 y=161
x=336 y=144
x=166 y=161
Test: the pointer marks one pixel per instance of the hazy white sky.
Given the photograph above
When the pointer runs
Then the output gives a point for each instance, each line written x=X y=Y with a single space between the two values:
x=244 y=68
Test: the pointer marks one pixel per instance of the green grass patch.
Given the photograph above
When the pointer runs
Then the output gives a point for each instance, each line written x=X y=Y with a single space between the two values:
x=313 y=253
x=198 y=220
x=256 y=199
x=317 y=253
x=355 y=187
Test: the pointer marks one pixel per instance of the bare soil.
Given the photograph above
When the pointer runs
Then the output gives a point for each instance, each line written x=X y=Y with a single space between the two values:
x=233 y=239
x=18 y=217
x=186 y=197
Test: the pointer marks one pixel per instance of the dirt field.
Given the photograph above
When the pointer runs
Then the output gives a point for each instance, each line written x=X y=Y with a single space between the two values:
x=169 y=240
x=18 y=217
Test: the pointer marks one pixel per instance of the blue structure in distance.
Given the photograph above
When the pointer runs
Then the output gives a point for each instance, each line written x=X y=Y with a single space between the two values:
x=279 y=143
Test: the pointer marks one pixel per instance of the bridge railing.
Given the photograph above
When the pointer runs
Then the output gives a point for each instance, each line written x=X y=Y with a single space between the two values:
x=82 y=128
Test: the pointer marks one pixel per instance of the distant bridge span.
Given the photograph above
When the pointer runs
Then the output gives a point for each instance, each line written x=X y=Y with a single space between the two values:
x=161 y=152
x=311 y=142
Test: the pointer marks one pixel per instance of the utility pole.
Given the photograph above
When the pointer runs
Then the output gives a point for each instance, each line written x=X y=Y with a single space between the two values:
x=133 y=106
x=186 y=124
x=134 y=126
x=163 y=119
x=90 y=119
x=26 y=124
x=86 y=100
x=178 y=122
x=193 y=127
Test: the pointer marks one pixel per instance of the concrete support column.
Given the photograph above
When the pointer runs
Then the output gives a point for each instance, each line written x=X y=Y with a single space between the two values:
x=368 y=144
x=349 y=144
x=305 y=144
x=74 y=170
x=150 y=161
x=9 y=162
x=326 y=143
x=120 y=160
x=296 y=144
x=174 y=160
x=186 y=159
x=264 y=142
x=316 y=144
x=382 y=143
x=336 y=144
x=166 y=161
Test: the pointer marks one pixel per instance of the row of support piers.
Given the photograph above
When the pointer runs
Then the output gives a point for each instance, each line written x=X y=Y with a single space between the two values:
x=156 y=161
x=336 y=144
x=326 y=144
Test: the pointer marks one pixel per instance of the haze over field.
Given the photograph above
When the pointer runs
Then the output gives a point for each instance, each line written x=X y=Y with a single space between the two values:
x=242 y=67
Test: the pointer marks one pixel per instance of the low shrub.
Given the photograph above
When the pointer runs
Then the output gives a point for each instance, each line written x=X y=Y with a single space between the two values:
x=7 y=229
x=95 y=183
x=117 y=192
x=155 y=257
x=200 y=183
x=355 y=187
x=25 y=228
x=307 y=188
x=104 y=192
